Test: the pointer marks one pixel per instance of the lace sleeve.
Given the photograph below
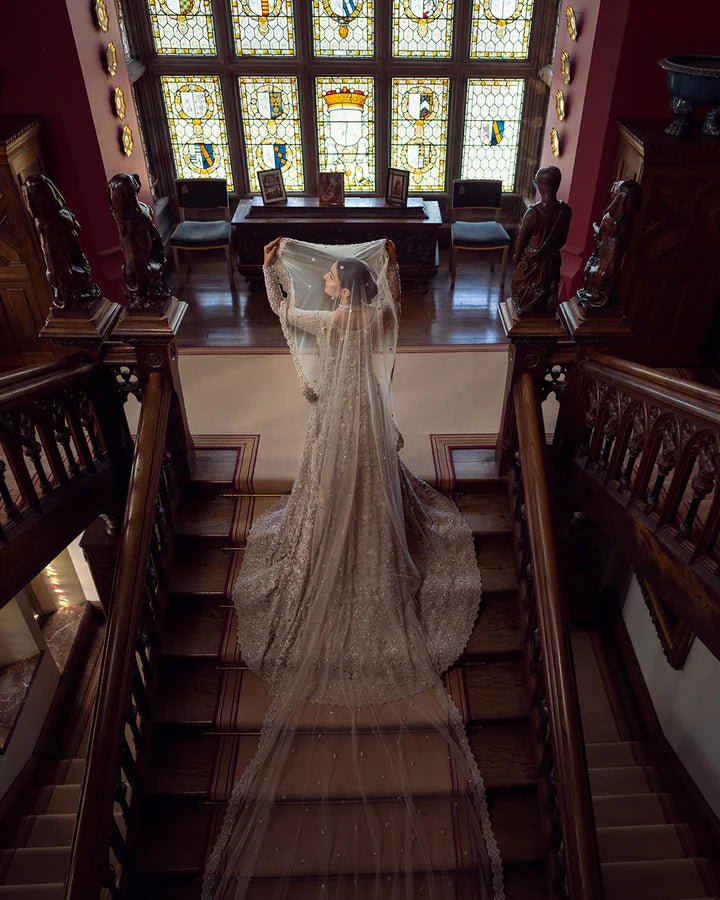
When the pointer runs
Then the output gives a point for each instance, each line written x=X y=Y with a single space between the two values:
x=313 y=320
x=393 y=277
x=276 y=287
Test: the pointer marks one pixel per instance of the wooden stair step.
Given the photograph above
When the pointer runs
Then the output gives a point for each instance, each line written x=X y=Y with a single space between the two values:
x=35 y=865
x=496 y=629
x=624 y=780
x=504 y=754
x=486 y=513
x=58 y=798
x=33 y=891
x=515 y=820
x=495 y=560
x=634 y=809
x=205 y=515
x=49 y=830
x=496 y=689
x=195 y=626
x=668 y=879
x=607 y=754
x=188 y=692
x=214 y=466
x=182 y=764
x=627 y=843
x=202 y=567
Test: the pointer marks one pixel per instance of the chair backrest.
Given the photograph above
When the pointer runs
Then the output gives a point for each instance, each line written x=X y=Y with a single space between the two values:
x=476 y=194
x=201 y=194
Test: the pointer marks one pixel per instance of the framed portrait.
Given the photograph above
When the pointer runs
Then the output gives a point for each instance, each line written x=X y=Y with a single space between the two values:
x=272 y=186
x=396 y=190
x=331 y=188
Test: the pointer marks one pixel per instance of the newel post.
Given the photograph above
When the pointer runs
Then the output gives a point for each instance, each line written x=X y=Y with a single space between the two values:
x=151 y=319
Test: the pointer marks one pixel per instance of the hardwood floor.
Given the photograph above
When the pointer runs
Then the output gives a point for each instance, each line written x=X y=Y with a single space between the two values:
x=467 y=316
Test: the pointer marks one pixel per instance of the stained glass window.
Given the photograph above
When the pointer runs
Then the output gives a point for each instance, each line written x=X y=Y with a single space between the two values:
x=492 y=128
x=346 y=130
x=343 y=27
x=419 y=130
x=182 y=27
x=422 y=28
x=263 y=27
x=196 y=120
x=271 y=122
x=501 y=29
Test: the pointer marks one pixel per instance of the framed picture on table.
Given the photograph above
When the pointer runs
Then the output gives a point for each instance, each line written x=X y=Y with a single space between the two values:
x=272 y=186
x=396 y=190
x=331 y=188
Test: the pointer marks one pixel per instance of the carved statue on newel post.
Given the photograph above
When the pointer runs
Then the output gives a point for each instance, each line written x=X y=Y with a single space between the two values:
x=145 y=268
x=68 y=270
x=602 y=270
x=543 y=232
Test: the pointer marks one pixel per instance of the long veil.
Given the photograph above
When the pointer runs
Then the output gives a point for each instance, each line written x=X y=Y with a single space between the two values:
x=363 y=784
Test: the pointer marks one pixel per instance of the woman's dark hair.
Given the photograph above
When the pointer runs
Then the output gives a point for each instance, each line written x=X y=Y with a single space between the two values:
x=354 y=272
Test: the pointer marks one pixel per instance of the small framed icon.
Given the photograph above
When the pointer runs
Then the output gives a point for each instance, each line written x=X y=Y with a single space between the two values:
x=554 y=142
x=331 y=188
x=396 y=188
x=565 y=68
x=272 y=186
x=110 y=59
x=126 y=140
x=572 y=25
x=560 y=105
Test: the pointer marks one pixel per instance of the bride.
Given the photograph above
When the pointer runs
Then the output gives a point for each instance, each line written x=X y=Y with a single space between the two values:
x=357 y=592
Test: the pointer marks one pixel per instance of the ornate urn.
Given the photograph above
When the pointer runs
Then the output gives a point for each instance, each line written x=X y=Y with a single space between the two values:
x=693 y=81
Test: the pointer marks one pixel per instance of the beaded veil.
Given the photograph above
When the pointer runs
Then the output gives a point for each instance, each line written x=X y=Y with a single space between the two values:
x=357 y=592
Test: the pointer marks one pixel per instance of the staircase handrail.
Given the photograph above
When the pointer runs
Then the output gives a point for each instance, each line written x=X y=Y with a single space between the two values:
x=582 y=875
x=89 y=864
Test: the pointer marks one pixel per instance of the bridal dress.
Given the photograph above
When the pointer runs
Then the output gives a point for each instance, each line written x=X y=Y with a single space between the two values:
x=357 y=591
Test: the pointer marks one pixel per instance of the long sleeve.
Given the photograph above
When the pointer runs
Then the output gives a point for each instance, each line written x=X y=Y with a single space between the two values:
x=313 y=320
x=277 y=292
x=393 y=277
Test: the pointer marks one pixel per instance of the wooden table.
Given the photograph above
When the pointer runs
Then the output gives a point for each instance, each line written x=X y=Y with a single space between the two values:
x=414 y=230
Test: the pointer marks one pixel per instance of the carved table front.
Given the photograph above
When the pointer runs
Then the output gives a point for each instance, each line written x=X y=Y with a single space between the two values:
x=414 y=229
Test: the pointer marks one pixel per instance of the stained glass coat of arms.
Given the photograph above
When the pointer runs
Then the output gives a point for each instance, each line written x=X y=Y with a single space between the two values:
x=501 y=29
x=343 y=28
x=346 y=130
x=271 y=123
x=422 y=28
x=182 y=27
x=493 y=111
x=196 y=121
x=419 y=130
x=263 y=27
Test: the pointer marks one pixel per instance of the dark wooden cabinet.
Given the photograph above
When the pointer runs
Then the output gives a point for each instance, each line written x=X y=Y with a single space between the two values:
x=24 y=292
x=670 y=287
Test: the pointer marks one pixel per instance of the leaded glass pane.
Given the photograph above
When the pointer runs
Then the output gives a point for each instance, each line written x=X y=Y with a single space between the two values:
x=501 y=29
x=346 y=130
x=263 y=27
x=196 y=121
x=182 y=27
x=492 y=129
x=422 y=28
x=418 y=138
x=271 y=122
x=343 y=27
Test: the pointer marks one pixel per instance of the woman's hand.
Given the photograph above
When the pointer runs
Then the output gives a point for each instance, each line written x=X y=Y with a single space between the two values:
x=270 y=252
x=391 y=252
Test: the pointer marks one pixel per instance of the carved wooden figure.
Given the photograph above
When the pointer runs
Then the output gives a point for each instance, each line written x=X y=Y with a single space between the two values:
x=543 y=232
x=68 y=269
x=145 y=267
x=602 y=270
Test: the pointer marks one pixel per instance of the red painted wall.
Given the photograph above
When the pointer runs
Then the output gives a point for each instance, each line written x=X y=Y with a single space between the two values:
x=51 y=65
x=615 y=76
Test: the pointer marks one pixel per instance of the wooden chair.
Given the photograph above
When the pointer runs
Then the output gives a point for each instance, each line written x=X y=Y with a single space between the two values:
x=202 y=195
x=472 y=197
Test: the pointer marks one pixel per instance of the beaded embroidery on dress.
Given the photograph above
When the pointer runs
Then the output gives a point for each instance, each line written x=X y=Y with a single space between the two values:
x=356 y=593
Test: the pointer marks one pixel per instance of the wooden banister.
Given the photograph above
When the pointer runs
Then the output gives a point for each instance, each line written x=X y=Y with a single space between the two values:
x=42 y=385
x=28 y=372
x=568 y=769
x=93 y=835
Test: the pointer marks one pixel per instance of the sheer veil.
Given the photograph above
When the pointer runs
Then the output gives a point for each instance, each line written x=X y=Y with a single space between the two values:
x=356 y=593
